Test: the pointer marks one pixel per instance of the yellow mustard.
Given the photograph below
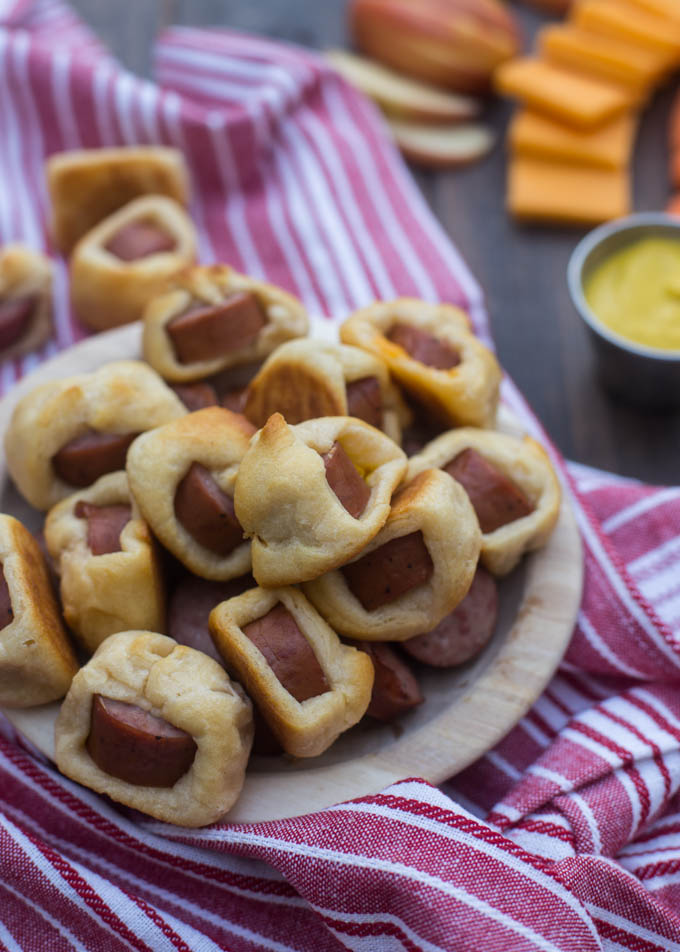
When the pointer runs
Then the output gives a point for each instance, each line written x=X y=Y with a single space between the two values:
x=635 y=292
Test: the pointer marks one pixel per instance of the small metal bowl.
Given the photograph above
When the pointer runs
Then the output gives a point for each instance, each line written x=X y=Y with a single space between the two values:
x=644 y=376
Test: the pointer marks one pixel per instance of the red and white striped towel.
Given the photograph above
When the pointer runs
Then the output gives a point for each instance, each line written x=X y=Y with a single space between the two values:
x=567 y=835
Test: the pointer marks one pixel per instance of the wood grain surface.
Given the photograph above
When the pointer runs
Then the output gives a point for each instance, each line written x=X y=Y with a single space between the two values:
x=540 y=341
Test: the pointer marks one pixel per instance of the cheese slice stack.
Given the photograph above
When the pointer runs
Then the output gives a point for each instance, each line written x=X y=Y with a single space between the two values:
x=571 y=142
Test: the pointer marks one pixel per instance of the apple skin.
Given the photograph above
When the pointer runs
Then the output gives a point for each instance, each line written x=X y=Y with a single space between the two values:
x=455 y=44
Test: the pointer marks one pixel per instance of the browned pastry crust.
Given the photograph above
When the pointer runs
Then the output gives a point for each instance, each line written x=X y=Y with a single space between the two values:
x=183 y=687
x=304 y=379
x=304 y=728
x=107 y=291
x=116 y=591
x=200 y=287
x=466 y=394
x=526 y=464
x=25 y=273
x=124 y=396
x=158 y=460
x=438 y=507
x=298 y=525
x=88 y=185
x=37 y=661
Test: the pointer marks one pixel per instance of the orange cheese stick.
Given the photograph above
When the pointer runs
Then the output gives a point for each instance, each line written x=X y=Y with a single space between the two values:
x=567 y=194
x=608 y=147
x=565 y=96
x=662 y=8
x=610 y=58
x=624 y=19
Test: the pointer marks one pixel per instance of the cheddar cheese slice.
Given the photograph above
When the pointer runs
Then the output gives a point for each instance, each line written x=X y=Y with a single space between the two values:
x=565 y=96
x=662 y=8
x=610 y=58
x=608 y=147
x=623 y=19
x=567 y=194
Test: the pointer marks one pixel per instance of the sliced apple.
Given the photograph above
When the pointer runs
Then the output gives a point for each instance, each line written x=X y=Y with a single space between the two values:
x=442 y=146
x=400 y=96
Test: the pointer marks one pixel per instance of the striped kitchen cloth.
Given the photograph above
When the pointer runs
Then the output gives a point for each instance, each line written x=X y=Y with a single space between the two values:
x=566 y=836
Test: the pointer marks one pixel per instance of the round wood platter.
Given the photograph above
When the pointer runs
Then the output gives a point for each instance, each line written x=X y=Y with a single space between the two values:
x=466 y=711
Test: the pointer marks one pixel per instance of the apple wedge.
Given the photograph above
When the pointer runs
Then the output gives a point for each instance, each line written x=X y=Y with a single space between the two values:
x=400 y=96
x=442 y=146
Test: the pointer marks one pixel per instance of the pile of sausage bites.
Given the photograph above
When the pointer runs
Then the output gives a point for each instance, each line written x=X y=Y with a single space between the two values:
x=252 y=539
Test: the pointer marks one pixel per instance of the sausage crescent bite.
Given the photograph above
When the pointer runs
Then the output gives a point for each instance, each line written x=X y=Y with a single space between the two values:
x=156 y=726
x=311 y=496
x=182 y=476
x=88 y=185
x=213 y=318
x=65 y=434
x=25 y=300
x=305 y=379
x=413 y=573
x=128 y=258
x=308 y=686
x=431 y=351
x=109 y=567
x=37 y=661
x=512 y=486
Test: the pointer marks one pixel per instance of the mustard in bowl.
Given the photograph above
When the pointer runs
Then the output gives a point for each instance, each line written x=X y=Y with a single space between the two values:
x=624 y=280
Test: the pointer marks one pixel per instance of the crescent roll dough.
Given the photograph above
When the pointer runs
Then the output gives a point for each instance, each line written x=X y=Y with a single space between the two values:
x=304 y=728
x=87 y=185
x=123 y=397
x=158 y=462
x=197 y=289
x=37 y=661
x=114 y=591
x=186 y=689
x=304 y=379
x=465 y=394
x=435 y=513
x=526 y=464
x=25 y=300
x=298 y=525
x=108 y=290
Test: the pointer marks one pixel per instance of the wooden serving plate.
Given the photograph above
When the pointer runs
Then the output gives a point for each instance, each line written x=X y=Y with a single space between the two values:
x=467 y=710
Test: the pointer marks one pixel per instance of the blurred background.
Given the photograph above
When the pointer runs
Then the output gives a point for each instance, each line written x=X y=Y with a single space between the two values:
x=521 y=268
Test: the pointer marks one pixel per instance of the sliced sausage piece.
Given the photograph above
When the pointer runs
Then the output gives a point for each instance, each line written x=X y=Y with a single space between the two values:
x=209 y=332
x=206 y=512
x=288 y=653
x=196 y=396
x=6 y=612
x=128 y=742
x=424 y=347
x=15 y=317
x=235 y=400
x=364 y=400
x=387 y=573
x=395 y=689
x=463 y=633
x=494 y=497
x=265 y=741
x=190 y=605
x=104 y=525
x=345 y=480
x=140 y=239
x=83 y=460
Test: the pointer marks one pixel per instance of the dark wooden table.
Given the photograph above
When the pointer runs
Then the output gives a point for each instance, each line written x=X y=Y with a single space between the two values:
x=540 y=341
